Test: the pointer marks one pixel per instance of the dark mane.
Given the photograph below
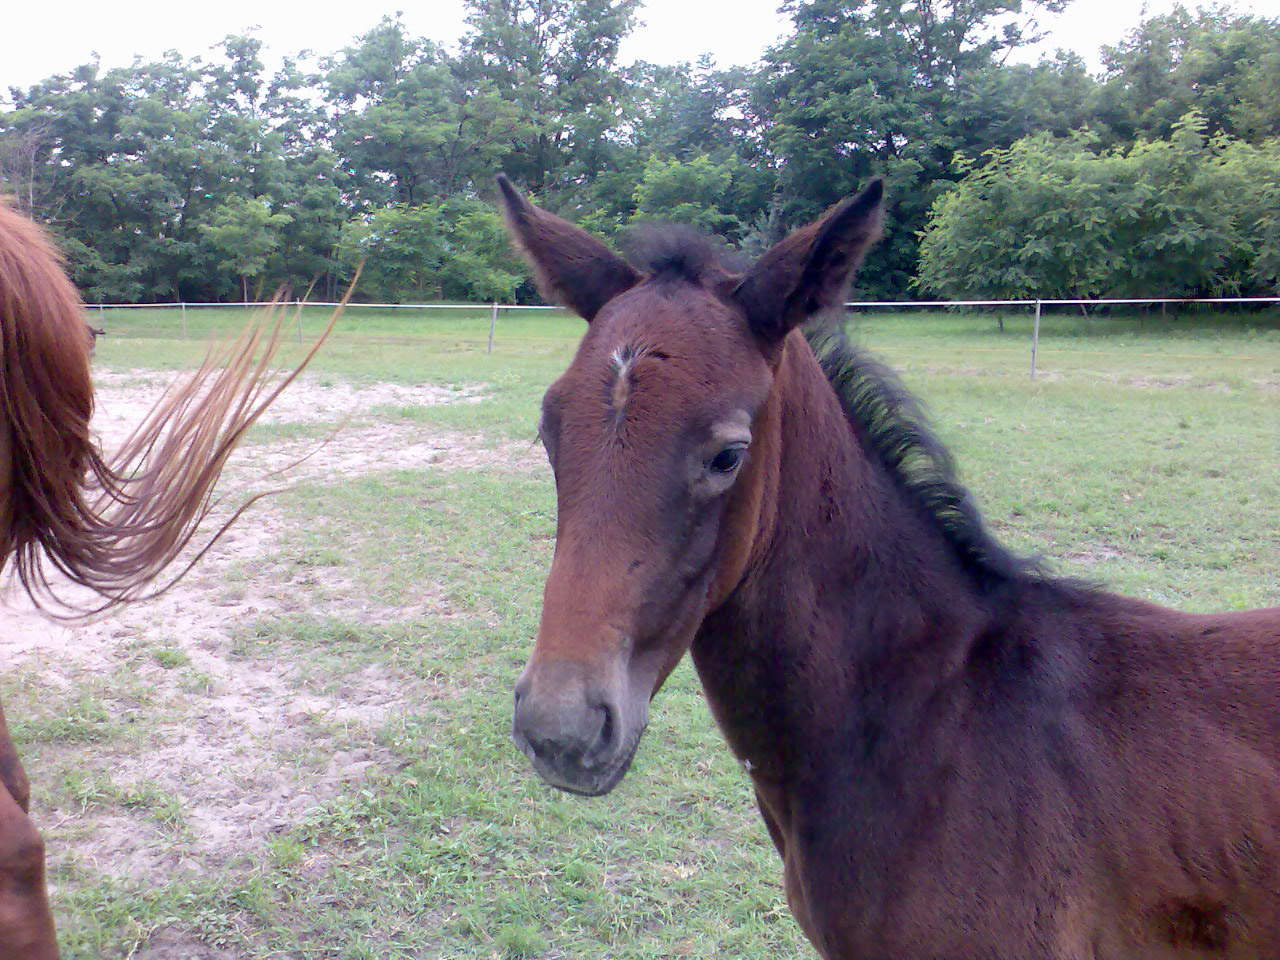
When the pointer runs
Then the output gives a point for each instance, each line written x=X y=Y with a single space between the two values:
x=679 y=251
x=898 y=433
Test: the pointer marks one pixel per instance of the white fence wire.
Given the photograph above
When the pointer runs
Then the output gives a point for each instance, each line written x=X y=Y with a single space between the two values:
x=1039 y=306
x=495 y=308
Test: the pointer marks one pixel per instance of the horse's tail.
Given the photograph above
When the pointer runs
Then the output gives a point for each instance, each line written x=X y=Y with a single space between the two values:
x=112 y=524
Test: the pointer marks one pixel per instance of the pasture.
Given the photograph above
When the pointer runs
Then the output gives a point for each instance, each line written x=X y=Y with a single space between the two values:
x=302 y=751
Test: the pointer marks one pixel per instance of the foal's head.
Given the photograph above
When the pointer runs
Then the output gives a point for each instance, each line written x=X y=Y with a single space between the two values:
x=655 y=437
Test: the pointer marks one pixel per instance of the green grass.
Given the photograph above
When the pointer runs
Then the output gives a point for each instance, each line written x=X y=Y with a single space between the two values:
x=1144 y=456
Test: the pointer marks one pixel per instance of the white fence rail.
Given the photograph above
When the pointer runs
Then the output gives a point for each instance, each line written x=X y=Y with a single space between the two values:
x=494 y=308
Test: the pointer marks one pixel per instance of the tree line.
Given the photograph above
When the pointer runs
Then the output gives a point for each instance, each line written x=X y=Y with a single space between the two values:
x=214 y=178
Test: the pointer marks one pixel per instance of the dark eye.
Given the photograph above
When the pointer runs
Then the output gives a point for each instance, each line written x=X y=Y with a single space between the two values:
x=727 y=460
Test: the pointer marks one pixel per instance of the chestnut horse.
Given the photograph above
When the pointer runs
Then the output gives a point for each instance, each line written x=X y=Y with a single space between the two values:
x=69 y=514
x=957 y=755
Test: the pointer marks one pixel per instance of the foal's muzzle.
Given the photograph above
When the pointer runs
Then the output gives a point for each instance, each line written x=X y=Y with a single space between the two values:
x=579 y=738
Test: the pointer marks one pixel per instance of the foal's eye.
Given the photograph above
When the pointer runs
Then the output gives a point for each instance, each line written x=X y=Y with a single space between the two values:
x=727 y=460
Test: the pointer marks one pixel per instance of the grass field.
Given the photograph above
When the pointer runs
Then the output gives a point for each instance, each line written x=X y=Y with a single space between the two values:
x=303 y=752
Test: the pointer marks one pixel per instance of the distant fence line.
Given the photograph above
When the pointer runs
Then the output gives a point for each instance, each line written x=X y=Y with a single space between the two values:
x=1040 y=304
x=494 y=308
x=1105 y=301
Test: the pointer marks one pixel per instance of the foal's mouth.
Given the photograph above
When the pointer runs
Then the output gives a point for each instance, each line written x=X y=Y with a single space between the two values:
x=586 y=781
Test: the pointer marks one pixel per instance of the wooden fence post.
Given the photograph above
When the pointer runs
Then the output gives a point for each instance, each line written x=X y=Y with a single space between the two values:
x=493 y=322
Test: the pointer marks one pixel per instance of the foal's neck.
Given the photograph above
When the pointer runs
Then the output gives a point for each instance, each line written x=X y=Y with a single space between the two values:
x=873 y=550
x=853 y=585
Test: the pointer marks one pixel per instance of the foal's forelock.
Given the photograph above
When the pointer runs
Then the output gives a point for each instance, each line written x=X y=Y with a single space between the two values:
x=679 y=252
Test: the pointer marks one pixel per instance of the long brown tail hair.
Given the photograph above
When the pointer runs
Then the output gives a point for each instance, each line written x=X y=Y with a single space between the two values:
x=109 y=523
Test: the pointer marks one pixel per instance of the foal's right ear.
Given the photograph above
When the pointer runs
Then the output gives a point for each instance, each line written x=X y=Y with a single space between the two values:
x=572 y=267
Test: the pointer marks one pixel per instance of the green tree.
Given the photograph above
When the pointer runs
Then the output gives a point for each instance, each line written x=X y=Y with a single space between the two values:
x=1221 y=63
x=411 y=126
x=23 y=146
x=129 y=167
x=132 y=163
x=242 y=234
x=1247 y=184
x=874 y=87
x=1005 y=102
x=453 y=249
x=1031 y=222
x=554 y=62
x=683 y=111
x=401 y=250
x=479 y=264
x=718 y=197
x=1053 y=217
x=1255 y=114
x=1176 y=236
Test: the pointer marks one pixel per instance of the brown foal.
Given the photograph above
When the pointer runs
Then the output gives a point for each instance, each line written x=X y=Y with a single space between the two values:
x=958 y=756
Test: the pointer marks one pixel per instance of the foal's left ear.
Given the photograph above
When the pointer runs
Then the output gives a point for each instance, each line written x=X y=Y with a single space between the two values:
x=810 y=270
x=571 y=266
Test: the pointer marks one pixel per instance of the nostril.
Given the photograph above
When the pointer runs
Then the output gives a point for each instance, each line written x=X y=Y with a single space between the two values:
x=607 y=728
x=606 y=732
x=522 y=686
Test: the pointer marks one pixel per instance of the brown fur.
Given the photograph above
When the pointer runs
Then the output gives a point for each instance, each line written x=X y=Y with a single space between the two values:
x=957 y=756
x=67 y=512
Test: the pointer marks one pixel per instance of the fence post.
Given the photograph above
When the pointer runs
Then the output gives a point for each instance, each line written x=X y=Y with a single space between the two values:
x=1035 y=340
x=493 y=322
x=184 y=319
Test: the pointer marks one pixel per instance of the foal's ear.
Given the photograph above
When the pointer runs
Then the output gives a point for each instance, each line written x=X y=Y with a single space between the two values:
x=572 y=267
x=810 y=270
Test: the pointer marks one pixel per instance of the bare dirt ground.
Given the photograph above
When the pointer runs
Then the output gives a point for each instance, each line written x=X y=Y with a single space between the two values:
x=218 y=748
x=363 y=443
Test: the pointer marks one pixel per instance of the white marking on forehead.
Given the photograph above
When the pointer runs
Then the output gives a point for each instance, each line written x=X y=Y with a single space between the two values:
x=622 y=360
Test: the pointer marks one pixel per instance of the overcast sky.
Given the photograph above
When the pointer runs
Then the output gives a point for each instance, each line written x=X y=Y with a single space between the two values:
x=39 y=39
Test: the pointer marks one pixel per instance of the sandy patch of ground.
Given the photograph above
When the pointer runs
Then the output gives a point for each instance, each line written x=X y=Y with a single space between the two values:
x=124 y=397
x=361 y=443
x=225 y=758
x=222 y=757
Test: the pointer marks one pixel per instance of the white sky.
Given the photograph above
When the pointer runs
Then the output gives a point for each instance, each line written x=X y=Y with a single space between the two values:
x=39 y=39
